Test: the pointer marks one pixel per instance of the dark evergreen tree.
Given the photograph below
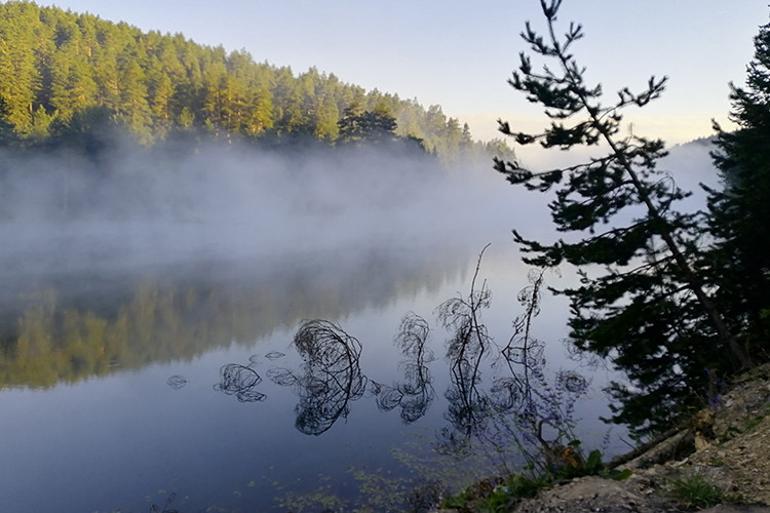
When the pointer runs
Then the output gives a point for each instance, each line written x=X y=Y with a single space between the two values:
x=640 y=301
x=349 y=125
x=357 y=125
x=739 y=262
x=378 y=125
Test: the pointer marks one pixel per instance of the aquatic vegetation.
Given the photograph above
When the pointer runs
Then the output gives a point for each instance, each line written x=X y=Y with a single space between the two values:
x=176 y=382
x=240 y=381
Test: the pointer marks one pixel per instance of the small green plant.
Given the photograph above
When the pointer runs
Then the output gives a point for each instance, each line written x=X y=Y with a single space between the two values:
x=486 y=498
x=509 y=493
x=696 y=492
x=593 y=465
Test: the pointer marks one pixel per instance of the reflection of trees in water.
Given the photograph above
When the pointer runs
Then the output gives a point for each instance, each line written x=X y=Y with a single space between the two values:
x=524 y=413
x=540 y=418
x=468 y=408
x=240 y=381
x=330 y=379
x=523 y=409
x=415 y=394
x=65 y=329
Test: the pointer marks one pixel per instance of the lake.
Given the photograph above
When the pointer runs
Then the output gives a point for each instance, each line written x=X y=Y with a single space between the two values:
x=129 y=383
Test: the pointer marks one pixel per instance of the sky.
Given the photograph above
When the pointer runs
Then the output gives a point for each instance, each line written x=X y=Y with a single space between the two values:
x=459 y=54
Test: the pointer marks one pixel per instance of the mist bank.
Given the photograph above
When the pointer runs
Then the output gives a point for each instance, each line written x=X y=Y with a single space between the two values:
x=131 y=205
x=127 y=205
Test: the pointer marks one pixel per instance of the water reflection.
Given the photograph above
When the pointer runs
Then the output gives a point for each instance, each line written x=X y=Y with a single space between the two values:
x=524 y=410
x=240 y=381
x=415 y=393
x=522 y=414
x=445 y=385
x=330 y=379
x=68 y=328
x=469 y=341
x=176 y=382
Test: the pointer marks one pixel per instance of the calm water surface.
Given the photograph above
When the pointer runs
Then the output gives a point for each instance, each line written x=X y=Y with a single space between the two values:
x=140 y=370
x=113 y=394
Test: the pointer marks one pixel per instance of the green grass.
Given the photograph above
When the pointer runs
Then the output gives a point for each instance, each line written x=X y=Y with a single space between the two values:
x=696 y=492
x=501 y=498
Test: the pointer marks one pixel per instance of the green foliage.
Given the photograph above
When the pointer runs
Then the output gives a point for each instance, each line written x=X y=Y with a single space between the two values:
x=696 y=492
x=738 y=262
x=359 y=125
x=504 y=494
x=514 y=489
x=641 y=299
x=64 y=63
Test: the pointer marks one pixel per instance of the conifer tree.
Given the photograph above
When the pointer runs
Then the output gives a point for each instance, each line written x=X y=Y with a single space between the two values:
x=640 y=300
x=738 y=262
x=134 y=110
x=328 y=115
x=18 y=67
x=261 y=111
x=161 y=90
x=349 y=125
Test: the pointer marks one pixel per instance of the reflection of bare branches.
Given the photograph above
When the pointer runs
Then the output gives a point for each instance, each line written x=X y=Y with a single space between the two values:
x=240 y=381
x=543 y=414
x=522 y=411
x=282 y=377
x=468 y=408
x=331 y=377
x=522 y=351
x=415 y=393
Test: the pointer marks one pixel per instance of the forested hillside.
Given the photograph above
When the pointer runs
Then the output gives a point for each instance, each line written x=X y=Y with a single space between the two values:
x=59 y=70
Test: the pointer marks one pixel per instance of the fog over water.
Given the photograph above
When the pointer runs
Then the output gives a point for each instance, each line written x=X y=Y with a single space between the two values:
x=131 y=280
x=127 y=207
x=143 y=208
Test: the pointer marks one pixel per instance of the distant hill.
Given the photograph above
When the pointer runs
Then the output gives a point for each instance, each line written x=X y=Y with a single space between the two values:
x=60 y=71
x=690 y=165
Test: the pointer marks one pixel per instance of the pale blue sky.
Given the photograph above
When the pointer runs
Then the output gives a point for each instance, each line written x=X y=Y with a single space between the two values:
x=459 y=54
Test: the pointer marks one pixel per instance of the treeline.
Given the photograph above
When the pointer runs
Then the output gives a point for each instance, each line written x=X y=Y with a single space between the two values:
x=63 y=72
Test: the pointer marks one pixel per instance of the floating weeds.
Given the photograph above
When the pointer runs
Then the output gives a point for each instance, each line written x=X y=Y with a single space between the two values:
x=330 y=379
x=176 y=382
x=376 y=491
x=240 y=381
x=415 y=394
x=274 y=355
